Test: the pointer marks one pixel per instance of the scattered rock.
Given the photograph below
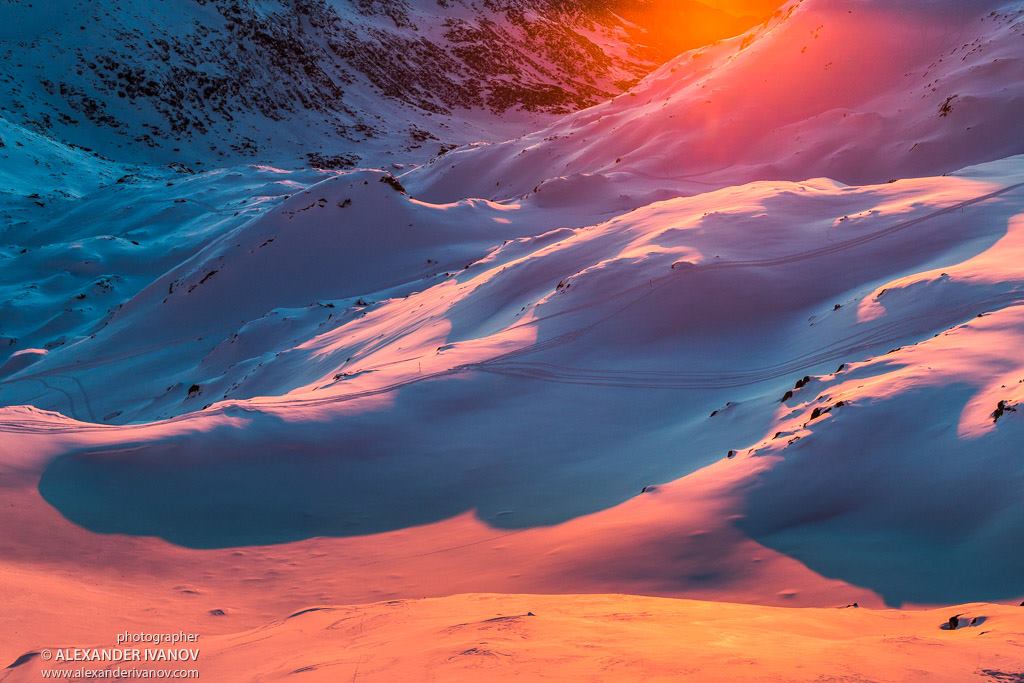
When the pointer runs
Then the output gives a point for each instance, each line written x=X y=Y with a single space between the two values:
x=946 y=108
x=332 y=161
x=1002 y=408
x=28 y=656
x=393 y=182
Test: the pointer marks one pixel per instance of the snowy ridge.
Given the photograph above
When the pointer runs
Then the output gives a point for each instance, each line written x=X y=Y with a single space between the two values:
x=856 y=91
x=651 y=312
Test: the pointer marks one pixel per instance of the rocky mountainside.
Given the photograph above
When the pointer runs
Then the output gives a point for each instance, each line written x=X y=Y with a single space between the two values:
x=861 y=92
x=336 y=82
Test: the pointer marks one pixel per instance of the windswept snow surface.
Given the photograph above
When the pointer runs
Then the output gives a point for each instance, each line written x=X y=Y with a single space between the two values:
x=535 y=379
x=80 y=235
x=765 y=349
x=609 y=638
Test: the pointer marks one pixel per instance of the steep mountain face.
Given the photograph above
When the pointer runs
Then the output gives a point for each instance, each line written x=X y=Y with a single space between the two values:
x=334 y=81
x=855 y=91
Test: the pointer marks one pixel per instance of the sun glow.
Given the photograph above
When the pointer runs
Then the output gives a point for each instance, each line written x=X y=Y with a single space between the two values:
x=673 y=26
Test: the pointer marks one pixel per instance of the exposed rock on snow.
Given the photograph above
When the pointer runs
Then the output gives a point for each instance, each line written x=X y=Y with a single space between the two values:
x=227 y=81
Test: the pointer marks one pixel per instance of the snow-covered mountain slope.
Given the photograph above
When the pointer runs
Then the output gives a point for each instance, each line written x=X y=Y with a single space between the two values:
x=667 y=333
x=846 y=89
x=270 y=297
x=81 y=234
x=636 y=372
x=34 y=164
x=328 y=82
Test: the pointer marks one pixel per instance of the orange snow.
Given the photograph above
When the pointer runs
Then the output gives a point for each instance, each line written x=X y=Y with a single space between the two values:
x=481 y=637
